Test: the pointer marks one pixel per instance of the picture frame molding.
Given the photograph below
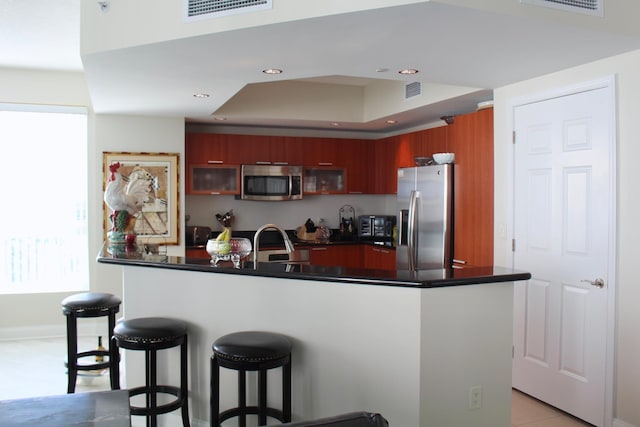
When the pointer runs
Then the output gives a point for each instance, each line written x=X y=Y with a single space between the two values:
x=171 y=181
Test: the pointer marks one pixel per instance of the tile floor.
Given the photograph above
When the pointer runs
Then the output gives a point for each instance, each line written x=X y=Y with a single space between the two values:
x=36 y=368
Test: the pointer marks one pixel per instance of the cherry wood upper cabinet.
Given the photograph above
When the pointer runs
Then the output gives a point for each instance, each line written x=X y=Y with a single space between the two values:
x=471 y=139
x=382 y=172
x=356 y=161
x=431 y=141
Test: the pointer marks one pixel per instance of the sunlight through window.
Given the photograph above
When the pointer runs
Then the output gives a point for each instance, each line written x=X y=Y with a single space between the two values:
x=43 y=218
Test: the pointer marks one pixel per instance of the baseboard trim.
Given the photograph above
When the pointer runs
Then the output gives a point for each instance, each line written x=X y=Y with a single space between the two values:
x=620 y=423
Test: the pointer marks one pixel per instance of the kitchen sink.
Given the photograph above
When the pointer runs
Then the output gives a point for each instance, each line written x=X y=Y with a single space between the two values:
x=299 y=256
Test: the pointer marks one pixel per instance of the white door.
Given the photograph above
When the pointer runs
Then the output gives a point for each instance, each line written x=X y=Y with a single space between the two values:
x=563 y=211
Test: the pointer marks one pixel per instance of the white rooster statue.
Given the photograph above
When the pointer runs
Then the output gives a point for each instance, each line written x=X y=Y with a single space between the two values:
x=125 y=197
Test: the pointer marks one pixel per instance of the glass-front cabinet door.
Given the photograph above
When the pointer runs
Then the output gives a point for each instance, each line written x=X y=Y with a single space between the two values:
x=324 y=180
x=214 y=179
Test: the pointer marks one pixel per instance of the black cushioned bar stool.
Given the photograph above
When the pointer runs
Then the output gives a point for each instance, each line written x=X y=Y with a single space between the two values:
x=89 y=304
x=251 y=351
x=151 y=334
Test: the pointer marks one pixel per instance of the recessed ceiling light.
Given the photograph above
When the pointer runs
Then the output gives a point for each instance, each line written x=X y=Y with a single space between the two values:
x=200 y=95
x=220 y=119
x=272 y=71
x=381 y=70
x=408 y=71
x=391 y=122
x=335 y=124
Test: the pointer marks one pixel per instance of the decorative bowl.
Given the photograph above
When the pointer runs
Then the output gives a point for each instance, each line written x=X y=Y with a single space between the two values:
x=236 y=249
x=442 y=158
x=424 y=161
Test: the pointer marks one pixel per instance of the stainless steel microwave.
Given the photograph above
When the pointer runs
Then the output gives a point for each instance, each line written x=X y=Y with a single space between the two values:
x=271 y=182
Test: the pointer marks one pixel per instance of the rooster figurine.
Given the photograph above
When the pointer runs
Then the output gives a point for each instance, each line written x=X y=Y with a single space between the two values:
x=126 y=196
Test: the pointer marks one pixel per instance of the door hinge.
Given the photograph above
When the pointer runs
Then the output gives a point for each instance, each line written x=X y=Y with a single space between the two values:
x=513 y=137
x=513 y=245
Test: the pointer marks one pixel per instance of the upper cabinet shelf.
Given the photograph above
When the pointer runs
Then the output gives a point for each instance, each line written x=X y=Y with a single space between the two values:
x=324 y=180
x=213 y=179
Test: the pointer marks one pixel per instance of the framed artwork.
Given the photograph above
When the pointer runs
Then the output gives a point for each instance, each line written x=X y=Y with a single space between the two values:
x=157 y=219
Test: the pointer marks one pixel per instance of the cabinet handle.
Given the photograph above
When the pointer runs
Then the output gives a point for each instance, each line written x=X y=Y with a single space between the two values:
x=382 y=251
x=459 y=261
x=263 y=163
x=318 y=249
x=215 y=192
x=325 y=163
x=215 y=162
x=281 y=163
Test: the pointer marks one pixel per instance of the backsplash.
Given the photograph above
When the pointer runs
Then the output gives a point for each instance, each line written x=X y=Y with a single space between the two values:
x=249 y=215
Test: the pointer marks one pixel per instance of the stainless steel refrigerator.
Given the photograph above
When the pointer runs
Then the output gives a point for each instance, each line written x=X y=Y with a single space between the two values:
x=425 y=217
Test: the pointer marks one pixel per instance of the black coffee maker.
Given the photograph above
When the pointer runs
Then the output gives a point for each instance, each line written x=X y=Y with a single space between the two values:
x=347 y=223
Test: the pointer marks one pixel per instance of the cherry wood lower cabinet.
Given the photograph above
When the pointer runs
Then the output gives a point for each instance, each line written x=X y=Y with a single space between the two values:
x=351 y=256
x=339 y=255
x=379 y=258
x=196 y=253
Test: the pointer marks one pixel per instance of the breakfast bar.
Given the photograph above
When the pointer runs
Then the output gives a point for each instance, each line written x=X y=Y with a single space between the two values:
x=423 y=348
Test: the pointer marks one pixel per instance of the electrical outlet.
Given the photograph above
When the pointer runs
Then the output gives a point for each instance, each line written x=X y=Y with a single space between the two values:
x=475 y=397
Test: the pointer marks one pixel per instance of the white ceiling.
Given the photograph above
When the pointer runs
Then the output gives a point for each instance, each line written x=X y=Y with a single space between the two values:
x=40 y=34
x=450 y=45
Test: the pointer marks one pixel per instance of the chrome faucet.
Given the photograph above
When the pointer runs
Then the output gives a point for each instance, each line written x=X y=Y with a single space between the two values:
x=256 y=241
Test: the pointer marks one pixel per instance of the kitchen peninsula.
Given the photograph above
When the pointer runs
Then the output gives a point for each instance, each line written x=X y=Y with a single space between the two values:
x=410 y=345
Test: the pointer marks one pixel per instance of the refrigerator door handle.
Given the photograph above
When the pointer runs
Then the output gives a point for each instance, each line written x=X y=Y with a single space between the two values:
x=412 y=229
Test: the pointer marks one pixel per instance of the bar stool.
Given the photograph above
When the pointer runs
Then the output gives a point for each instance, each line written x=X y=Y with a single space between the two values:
x=151 y=334
x=89 y=304
x=251 y=351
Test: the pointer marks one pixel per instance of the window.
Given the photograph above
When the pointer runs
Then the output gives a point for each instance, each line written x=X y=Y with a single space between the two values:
x=43 y=216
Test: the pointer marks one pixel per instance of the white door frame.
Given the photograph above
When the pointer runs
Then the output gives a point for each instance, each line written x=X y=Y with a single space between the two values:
x=606 y=83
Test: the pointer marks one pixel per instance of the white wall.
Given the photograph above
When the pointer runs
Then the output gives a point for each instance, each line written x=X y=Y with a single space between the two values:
x=130 y=134
x=249 y=215
x=626 y=68
x=23 y=312
x=24 y=315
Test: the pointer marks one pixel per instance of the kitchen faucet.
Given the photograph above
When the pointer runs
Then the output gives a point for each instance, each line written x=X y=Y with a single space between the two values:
x=256 y=241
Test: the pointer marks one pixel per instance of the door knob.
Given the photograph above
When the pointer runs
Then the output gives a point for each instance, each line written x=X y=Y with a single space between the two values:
x=598 y=283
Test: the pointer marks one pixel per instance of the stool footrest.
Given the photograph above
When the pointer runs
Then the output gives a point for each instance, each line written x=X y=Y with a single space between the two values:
x=250 y=410
x=92 y=366
x=160 y=409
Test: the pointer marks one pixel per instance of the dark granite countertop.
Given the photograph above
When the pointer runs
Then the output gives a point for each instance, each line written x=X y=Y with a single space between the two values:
x=97 y=409
x=405 y=278
x=272 y=238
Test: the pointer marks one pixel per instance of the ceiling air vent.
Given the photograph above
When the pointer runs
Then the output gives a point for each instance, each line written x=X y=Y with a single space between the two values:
x=203 y=9
x=412 y=89
x=590 y=7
